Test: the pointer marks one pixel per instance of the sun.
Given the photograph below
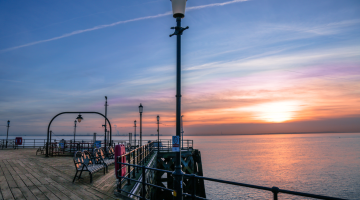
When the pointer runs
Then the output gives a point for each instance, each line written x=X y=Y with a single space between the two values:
x=274 y=111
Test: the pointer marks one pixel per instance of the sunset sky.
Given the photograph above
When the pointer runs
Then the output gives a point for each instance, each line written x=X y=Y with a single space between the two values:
x=248 y=67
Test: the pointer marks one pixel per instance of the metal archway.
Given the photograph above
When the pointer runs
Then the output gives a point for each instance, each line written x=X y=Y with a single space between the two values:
x=48 y=130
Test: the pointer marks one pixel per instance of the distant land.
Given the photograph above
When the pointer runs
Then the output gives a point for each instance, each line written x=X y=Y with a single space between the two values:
x=324 y=132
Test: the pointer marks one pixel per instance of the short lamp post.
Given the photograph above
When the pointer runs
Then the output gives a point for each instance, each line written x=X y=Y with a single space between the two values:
x=74 y=130
x=178 y=7
x=7 y=134
x=140 y=111
x=158 y=120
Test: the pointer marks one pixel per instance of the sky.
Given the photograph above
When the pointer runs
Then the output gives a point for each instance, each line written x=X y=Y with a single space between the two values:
x=248 y=66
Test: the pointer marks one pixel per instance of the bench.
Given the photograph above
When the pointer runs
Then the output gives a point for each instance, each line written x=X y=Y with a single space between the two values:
x=41 y=150
x=84 y=162
x=100 y=155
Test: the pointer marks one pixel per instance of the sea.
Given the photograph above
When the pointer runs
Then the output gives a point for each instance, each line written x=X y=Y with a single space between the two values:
x=325 y=164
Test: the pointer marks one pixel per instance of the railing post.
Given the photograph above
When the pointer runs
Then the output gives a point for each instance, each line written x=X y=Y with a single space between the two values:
x=275 y=191
x=137 y=160
x=34 y=143
x=193 y=195
x=143 y=183
x=134 y=164
x=129 y=173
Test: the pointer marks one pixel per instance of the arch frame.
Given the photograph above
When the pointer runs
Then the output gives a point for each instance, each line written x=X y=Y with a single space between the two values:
x=48 y=130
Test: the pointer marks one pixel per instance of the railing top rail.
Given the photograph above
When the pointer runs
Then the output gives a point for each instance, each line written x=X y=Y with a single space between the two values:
x=273 y=189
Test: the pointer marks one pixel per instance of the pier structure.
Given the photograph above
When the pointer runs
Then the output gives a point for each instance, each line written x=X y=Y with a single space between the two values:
x=157 y=161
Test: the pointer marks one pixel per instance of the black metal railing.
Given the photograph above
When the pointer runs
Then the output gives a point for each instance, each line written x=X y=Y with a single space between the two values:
x=134 y=168
x=138 y=157
x=166 y=145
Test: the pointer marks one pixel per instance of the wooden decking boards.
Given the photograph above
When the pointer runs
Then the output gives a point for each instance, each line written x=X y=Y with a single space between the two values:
x=23 y=175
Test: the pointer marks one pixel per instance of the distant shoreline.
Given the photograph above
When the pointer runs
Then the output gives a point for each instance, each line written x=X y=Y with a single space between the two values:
x=208 y=134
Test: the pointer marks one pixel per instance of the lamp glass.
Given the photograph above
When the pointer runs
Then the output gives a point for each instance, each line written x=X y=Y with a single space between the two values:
x=178 y=7
x=8 y=122
x=158 y=117
x=79 y=118
x=140 y=108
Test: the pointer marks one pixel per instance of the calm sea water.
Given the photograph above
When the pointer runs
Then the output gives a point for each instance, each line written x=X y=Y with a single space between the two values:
x=327 y=164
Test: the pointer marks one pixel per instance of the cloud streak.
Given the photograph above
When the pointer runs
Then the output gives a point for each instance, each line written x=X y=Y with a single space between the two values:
x=115 y=24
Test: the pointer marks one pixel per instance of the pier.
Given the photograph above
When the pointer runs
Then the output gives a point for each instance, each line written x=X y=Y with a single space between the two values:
x=25 y=175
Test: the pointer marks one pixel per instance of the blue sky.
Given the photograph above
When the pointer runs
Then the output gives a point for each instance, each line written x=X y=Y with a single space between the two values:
x=244 y=62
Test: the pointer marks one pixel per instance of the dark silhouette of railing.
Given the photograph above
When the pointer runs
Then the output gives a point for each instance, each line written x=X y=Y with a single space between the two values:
x=146 y=152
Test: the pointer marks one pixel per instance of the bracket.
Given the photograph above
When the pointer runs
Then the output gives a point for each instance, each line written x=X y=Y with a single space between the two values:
x=178 y=30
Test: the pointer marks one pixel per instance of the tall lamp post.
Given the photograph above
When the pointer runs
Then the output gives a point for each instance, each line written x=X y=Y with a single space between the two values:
x=7 y=134
x=178 y=7
x=140 y=111
x=158 y=119
x=135 y=132
x=74 y=130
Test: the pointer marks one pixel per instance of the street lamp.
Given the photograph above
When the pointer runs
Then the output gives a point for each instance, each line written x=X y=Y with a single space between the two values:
x=135 y=132
x=106 y=105
x=79 y=118
x=140 y=111
x=178 y=7
x=158 y=119
x=7 y=134
x=74 y=130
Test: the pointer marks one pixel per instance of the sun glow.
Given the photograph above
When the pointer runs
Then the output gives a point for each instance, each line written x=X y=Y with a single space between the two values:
x=274 y=111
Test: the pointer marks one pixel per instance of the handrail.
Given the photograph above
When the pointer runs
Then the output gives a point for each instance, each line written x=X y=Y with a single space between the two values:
x=274 y=190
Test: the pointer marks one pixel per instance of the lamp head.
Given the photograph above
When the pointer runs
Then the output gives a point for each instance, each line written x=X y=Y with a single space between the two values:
x=158 y=117
x=79 y=118
x=140 y=108
x=178 y=7
x=8 y=122
x=135 y=122
x=75 y=121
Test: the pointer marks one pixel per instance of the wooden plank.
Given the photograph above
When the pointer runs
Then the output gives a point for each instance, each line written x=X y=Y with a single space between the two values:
x=17 y=194
x=71 y=195
x=27 y=193
x=57 y=192
x=39 y=195
x=26 y=180
x=47 y=192
x=5 y=190
x=33 y=179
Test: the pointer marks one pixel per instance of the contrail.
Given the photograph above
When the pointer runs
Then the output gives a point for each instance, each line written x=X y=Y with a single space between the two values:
x=117 y=23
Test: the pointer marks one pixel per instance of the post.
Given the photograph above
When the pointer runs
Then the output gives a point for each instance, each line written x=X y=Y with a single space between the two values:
x=193 y=195
x=74 y=130
x=275 y=191
x=143 y=182
x=140 y=129
x=128 y=181
x=134 y=164
x=7 y=133
x=158 y=118
x=130 y=138
x=178 y=177
x=105 y=120
x=135 y=133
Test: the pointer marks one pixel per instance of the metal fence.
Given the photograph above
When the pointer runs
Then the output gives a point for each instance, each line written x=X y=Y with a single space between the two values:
x=133 y=167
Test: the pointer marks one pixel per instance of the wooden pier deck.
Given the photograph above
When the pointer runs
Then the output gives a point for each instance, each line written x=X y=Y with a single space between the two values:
x=23 y=175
